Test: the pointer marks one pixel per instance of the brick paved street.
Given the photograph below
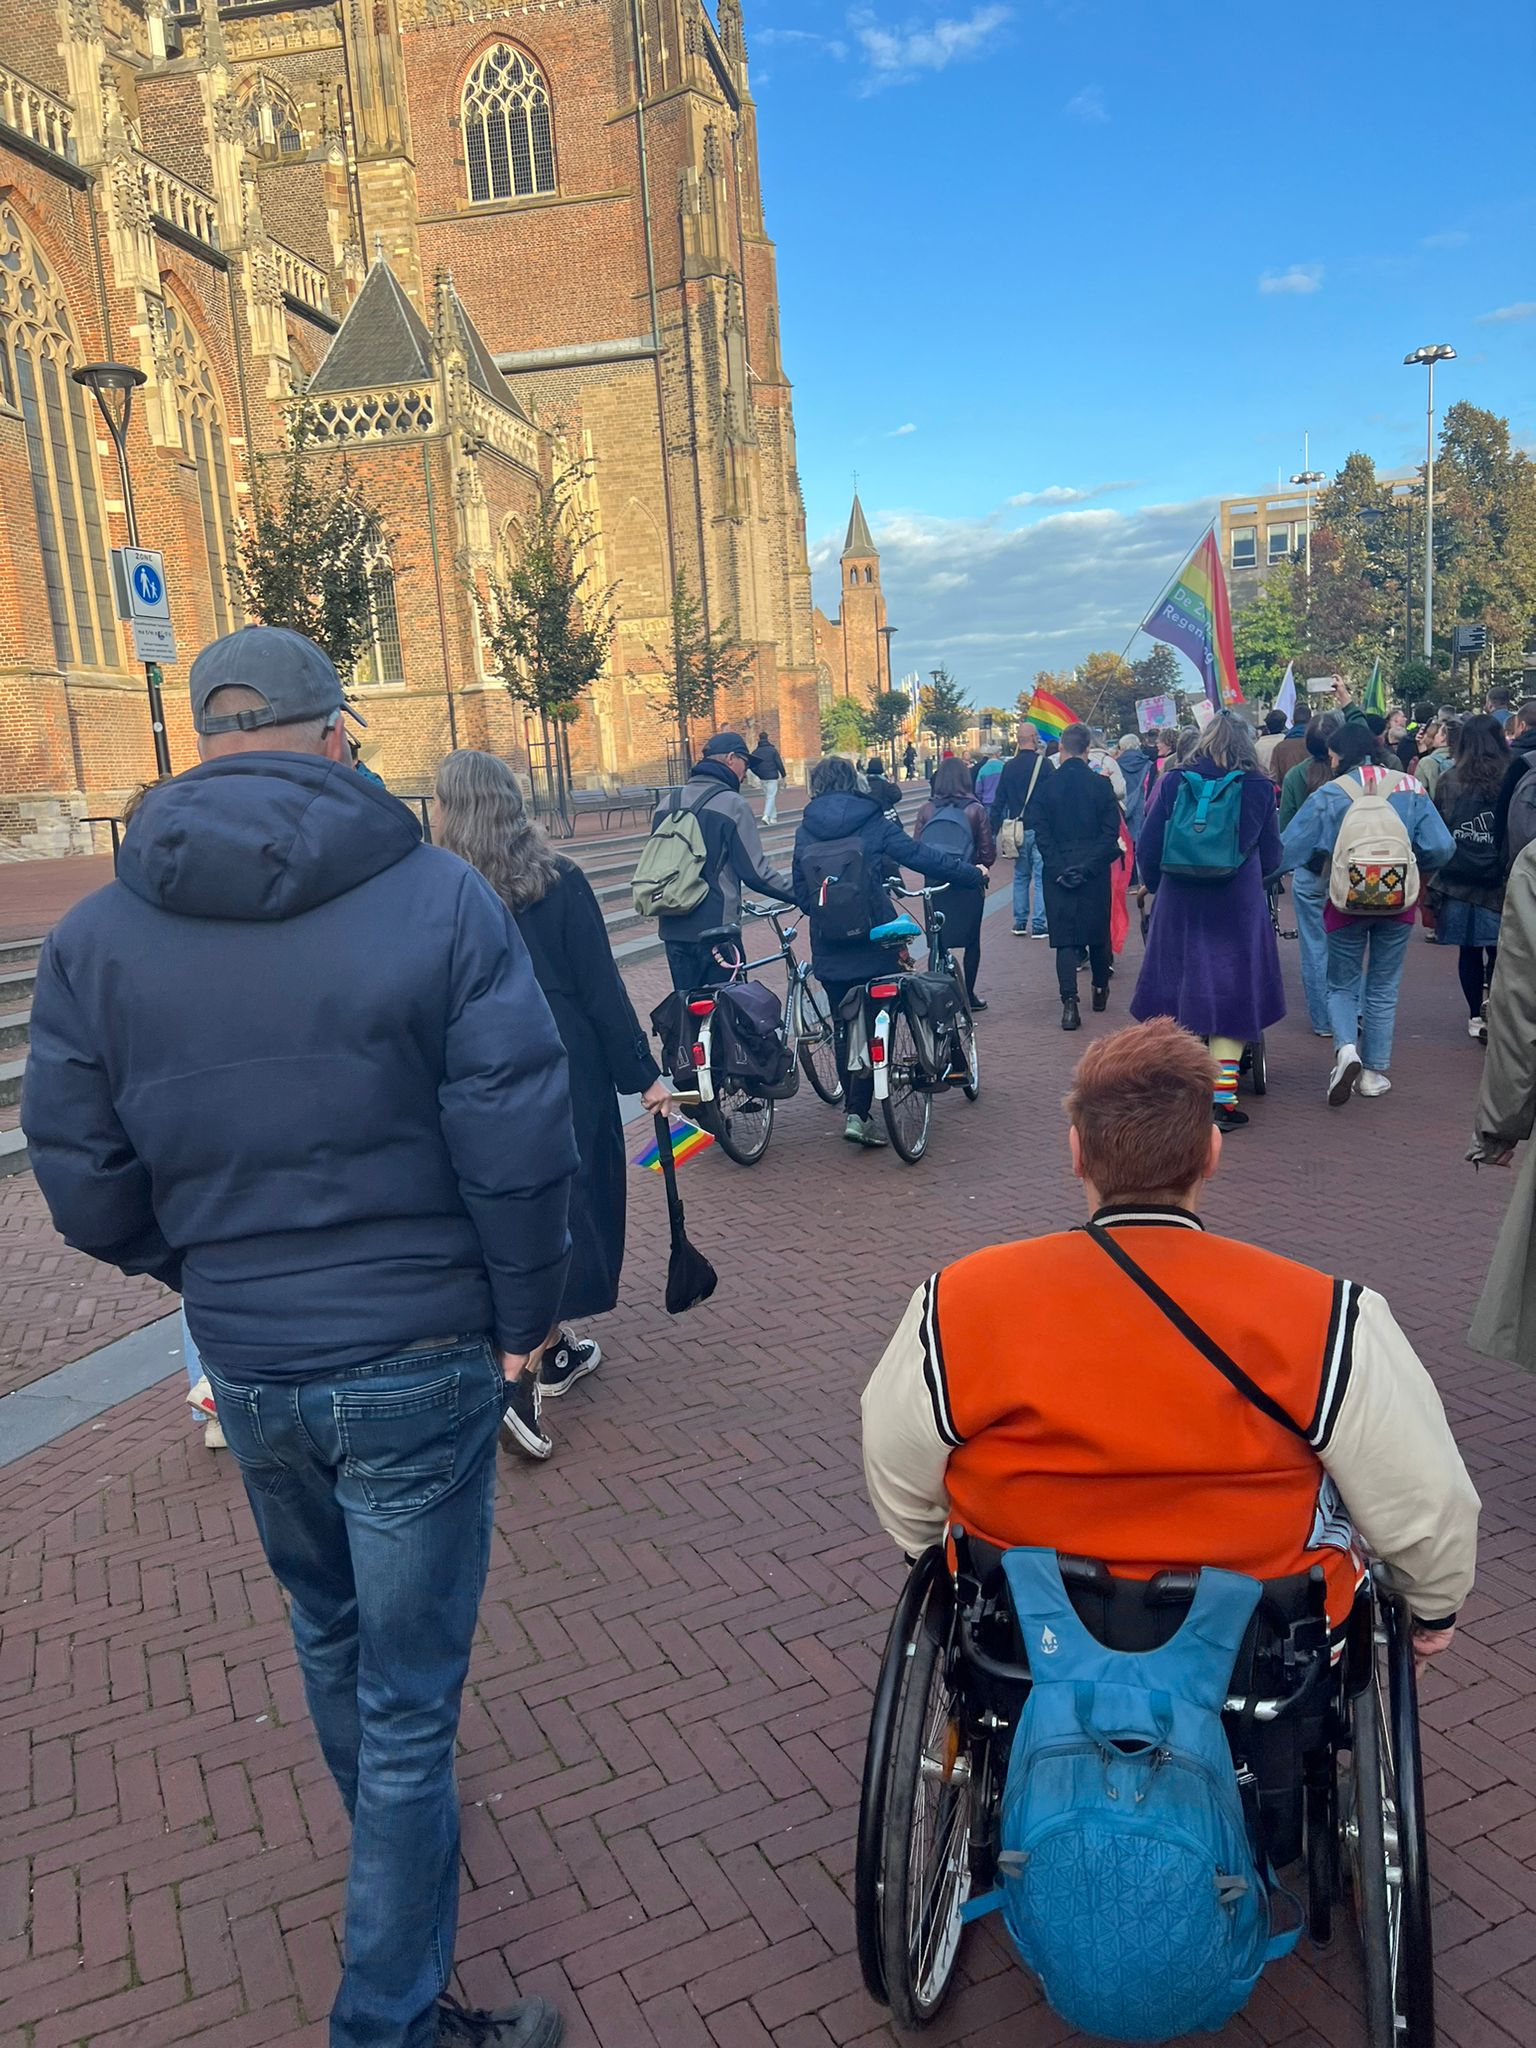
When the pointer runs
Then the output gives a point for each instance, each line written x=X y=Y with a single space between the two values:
x=665 y=1722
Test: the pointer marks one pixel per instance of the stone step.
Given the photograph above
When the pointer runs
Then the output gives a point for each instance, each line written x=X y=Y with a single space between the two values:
x=16 y=985
x=19 y=952
x=14 y=1025
x=13 y=1153
x=11 y=1072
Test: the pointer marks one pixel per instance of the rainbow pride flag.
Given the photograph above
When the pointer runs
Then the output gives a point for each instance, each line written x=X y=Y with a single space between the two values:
x=1196 y=618
x=1049 y=716
x=688 y=1141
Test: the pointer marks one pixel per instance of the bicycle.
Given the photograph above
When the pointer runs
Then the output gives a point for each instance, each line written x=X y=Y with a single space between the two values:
x=911 y=1063
x=739 y=1113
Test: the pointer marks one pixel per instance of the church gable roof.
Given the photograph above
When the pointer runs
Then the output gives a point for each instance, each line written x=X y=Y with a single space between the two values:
x=383 y=340
x=860 y=541
x=479 y=361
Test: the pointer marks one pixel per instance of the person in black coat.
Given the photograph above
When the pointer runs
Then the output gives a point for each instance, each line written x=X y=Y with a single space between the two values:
x=480 y=815
x=1077 y=821
x=839 y=809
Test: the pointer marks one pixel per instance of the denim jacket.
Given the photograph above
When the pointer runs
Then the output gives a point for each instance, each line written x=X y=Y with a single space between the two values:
x=1308 y=840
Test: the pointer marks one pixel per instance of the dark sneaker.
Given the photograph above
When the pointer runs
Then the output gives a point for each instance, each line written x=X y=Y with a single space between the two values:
x=1227 y=1119
x=1021 y=931
x=1101 y=999
x=565 y=1363
x=521 y=1429
x=531 y=2023
x=978 y=1004
x=1071 y=1015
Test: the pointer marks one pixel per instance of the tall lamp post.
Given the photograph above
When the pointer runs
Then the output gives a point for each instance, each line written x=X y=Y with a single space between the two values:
x=112 y=385
x=888 y=634
x=1311 y=478
x=1439 y=352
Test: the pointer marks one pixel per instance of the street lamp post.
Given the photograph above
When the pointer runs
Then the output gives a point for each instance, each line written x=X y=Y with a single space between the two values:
x=1311 y=478
x=1439 y=352
x=112 y=385
x=888 y=634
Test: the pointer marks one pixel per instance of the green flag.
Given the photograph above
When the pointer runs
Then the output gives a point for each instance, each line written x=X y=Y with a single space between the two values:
x=1376 y=691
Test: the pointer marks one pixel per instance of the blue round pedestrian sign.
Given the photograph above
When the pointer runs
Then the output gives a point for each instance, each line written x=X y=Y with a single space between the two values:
x=147 y=584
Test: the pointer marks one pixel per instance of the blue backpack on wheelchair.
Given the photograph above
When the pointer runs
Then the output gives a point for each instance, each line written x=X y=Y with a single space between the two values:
x=1128 y=1882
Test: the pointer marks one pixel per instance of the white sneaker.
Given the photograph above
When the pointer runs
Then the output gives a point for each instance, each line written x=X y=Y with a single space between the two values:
x=1346 y=1072
x=200 y=1398
x=1477 y=1027
x=213 y=1435
x=1372 y=1083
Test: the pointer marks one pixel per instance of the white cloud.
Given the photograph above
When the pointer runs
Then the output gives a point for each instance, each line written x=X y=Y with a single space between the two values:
x=1300 y=278
x=1088 y=105
x=898 y=433
x=1447 y=238
x=1524 y=309
x=896 y=53
x=1068 y=494
x=998 y=600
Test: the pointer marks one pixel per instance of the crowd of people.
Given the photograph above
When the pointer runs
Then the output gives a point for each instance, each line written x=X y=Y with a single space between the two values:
x=355 y=1097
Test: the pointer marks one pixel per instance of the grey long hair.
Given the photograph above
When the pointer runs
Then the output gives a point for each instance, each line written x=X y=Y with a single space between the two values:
x=1225 y=741
x=482 y=818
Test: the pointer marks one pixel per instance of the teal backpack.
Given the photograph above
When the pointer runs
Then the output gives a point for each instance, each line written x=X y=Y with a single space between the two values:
x=1203 y=839
x=1127 y=1880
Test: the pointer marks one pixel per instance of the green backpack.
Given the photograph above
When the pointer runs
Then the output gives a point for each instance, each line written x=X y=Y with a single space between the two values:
x=672 y=874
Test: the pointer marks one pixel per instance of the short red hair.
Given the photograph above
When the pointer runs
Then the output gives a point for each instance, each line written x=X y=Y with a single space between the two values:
x=1141 y=1106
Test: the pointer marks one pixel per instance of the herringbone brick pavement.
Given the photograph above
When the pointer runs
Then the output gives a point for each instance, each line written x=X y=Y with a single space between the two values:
x=665 y=1724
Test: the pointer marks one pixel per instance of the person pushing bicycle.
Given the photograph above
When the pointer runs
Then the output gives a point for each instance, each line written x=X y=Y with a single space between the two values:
x=844 y=848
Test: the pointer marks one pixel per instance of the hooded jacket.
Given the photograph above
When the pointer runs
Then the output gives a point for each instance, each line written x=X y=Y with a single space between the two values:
x=733 y=852
x=1523 y=751
x=296 y=1064
x=845 y=814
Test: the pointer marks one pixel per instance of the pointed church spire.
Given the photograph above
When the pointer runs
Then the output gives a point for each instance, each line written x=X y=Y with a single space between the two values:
x=860 y=541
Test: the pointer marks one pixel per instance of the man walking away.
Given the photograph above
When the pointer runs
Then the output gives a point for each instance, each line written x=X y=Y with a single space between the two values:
x=1271 y=738
x=296 y=1064
x=1078 y=823
x=1521 y=733
x=909 y=761
x=732 y=854
x=1135 y=760
x=767 y=764
x=1019 y=784
x=1500 y=705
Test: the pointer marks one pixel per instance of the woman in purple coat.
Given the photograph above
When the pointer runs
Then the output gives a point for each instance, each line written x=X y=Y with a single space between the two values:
x=1211 y=961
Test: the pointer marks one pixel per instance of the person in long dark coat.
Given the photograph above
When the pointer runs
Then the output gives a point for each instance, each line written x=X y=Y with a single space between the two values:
x=1211 y=961
x=480 y=815
x=1076 y=820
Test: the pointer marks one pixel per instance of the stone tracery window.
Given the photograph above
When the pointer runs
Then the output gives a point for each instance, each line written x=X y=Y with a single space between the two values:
x=37 y=352
x=203 y=439
x=381 y=660
x=509 y=141
x=271 y=119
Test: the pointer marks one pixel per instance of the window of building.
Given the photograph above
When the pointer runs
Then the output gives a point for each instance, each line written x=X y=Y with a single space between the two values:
x=271 y=120
x=509 y=142
x=853 y=575
x=869 y=575
x=381 y=660
x=204 y=441
x=1245 y=547
x=1282 y=540
x=38 y=347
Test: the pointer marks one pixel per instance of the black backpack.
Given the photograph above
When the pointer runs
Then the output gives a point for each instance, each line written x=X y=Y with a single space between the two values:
x=1478 y=862
x=836 y=878
x=949 y=831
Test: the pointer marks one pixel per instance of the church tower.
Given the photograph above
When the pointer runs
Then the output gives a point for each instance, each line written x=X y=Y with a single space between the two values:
x=866 y=652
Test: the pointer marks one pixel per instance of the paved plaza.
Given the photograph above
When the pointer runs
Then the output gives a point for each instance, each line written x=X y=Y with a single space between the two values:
x=664 y=1726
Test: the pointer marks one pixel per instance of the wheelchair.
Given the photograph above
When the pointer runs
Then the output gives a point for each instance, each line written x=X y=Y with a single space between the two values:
x=1325 y=1743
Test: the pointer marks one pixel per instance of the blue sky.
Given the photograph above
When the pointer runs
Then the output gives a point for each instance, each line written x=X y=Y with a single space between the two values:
x=1058 y=273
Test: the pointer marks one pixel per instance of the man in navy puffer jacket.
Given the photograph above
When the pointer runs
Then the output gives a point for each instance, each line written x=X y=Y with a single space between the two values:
x=295 y=1064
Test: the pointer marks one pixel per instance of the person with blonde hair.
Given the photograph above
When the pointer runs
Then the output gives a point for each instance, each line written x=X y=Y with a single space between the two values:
x=479 y=813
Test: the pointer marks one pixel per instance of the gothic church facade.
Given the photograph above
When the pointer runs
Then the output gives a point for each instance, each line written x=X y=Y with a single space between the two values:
x=487 y=239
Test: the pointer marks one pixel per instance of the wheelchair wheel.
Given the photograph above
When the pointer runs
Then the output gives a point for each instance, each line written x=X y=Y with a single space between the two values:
x=929 y=1812
x=1388 y=1850
x=1258 y=1071
x=927 y=1583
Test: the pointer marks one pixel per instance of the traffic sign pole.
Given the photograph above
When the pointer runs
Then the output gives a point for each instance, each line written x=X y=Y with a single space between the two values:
x=152 y=681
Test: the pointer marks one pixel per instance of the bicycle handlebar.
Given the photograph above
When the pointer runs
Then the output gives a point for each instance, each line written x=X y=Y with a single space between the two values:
x=927 y=894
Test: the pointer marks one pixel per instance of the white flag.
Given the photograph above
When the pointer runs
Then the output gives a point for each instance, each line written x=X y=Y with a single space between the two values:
x=1285 y=699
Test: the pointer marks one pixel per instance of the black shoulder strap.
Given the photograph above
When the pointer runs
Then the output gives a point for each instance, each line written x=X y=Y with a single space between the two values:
x=1191 y=1331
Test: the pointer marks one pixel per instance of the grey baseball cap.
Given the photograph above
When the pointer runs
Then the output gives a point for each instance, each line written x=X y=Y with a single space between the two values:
x=297 y=679
x=721 y=744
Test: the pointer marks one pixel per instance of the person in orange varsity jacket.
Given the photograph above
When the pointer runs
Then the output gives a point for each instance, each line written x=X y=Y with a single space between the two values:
x=1036 y=1395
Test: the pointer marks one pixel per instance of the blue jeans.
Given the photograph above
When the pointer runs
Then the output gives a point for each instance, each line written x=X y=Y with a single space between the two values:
x=1309 y=893
x=1365 y=971
x=372 y=1491
x=1029 y=871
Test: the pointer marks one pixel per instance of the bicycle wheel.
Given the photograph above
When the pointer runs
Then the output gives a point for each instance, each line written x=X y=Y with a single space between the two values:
x=909 y=1106
x=740 y=1121
x=929 y=1814
x=970 y=1054
x=818 y=1041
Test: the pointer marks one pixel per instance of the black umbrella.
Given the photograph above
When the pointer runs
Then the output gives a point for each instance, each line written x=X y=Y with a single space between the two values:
x=691 y=1279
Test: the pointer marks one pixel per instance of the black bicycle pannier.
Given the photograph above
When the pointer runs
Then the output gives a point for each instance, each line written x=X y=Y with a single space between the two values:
x=933 y=1005
x=748 y=1039
x=678 y=1034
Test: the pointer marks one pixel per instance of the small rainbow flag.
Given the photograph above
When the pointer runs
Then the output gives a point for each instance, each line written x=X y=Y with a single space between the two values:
x=1048 y=715
x=688 y=1141
x=1196 y=617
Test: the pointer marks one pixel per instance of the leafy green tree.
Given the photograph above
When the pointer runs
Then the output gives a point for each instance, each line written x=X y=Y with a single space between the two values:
x=308 y=547
x=1157 y=674
x=1485 y=533
x=1003 y=720
x=845 y=726
x=1266 y=637
x=545 y=628
x=701 y=662
x=945 y=708
x=888 y=716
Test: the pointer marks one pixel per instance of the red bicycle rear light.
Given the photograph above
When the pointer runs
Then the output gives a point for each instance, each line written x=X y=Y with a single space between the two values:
x=877 y=1052
x=882 y=991
x=698 y=1055
x=703 y=1008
